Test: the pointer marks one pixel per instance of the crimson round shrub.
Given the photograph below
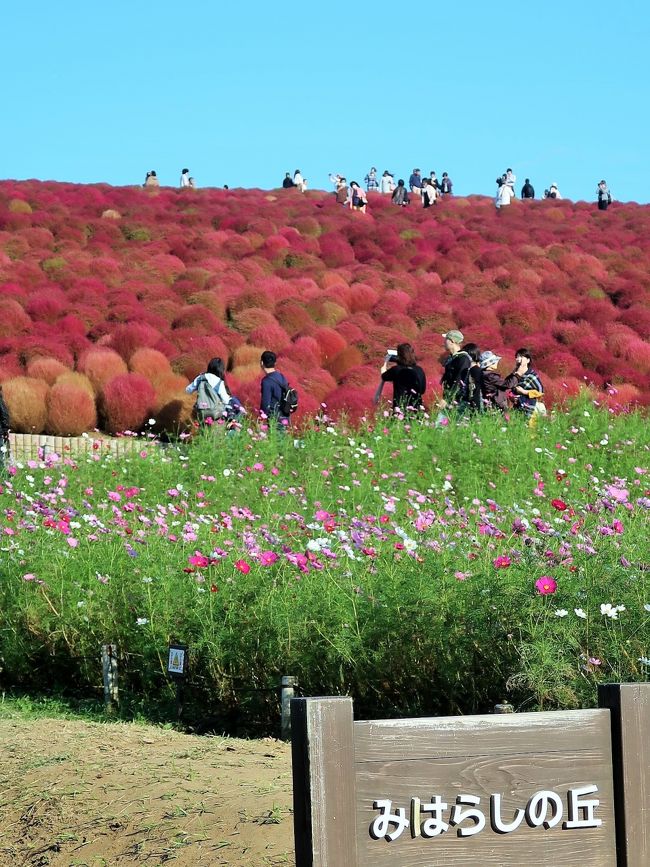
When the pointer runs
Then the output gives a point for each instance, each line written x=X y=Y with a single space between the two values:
x=101 y=365
x=70 y=409
x=126 y=402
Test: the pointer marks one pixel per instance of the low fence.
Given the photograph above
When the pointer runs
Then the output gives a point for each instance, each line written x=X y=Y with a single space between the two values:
x=560 y=788
x=35 y=447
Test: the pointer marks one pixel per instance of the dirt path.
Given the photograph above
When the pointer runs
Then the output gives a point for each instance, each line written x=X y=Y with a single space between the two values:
x=78 y=794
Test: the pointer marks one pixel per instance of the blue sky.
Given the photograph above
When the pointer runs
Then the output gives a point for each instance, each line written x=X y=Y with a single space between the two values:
x=240 y=92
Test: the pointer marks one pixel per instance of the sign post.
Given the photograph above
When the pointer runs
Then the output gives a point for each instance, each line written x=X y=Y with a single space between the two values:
x=177 y=667
x=497 y=790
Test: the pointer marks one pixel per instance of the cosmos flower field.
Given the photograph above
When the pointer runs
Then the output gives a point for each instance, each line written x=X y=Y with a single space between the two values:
x=421 y=569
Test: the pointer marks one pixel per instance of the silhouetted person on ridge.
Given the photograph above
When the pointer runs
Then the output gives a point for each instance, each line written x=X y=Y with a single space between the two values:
x=604 y=196
x=151 y=180
x=527 y=191
x=287 y=183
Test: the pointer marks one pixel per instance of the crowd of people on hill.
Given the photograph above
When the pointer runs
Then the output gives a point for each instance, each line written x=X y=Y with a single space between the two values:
x=427 y=190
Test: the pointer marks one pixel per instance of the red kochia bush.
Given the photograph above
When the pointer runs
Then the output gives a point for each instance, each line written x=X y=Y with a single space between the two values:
x=126 y=402
x=13 y=318
x=26 y=401
x=151 y=364
x=101 y=365
x=48 y=369
x=70 y=410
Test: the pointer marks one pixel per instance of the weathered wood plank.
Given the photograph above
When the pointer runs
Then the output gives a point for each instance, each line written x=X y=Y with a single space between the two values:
x=630 y=712
x=323 y=780
x=401 y=740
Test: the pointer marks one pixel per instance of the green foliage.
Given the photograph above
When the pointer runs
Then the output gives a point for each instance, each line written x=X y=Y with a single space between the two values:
x=382 y=580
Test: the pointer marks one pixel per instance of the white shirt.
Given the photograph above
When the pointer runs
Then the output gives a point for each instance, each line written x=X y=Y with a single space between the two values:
x=185 y=180
x=386 y=184
x=504 y=195
x=215 y=383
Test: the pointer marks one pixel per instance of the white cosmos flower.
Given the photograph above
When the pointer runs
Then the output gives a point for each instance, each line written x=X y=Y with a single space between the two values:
x=580 y=613
x=561 y=612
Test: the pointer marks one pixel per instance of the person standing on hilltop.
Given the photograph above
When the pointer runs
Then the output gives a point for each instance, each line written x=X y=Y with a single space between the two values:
x=400 y=195
x=415 y=182
x=342 y=191
x=287 y=183
x=151 y=180
x=372 y=184
x=527 y=191
x=429 y=194
x=297 y=180
x=604 y=196
x=185 y=178
x=387 y=184
x=446 y=185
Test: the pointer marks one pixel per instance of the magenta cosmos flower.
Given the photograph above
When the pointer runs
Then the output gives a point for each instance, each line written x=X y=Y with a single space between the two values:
x=546 y=585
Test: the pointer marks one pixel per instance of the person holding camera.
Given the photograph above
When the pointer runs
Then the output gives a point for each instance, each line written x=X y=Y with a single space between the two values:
x=409 y=381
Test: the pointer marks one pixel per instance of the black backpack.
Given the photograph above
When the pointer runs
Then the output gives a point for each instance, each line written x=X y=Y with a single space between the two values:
x=289 y=401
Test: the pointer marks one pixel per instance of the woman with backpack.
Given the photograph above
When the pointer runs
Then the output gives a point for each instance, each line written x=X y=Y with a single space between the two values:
x=408 y=378
x=213 y=394
x=358 y=198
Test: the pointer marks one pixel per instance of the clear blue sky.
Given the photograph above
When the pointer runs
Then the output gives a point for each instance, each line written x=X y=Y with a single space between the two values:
x=240 y=92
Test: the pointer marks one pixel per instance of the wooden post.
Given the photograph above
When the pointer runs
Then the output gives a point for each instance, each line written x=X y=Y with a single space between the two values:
x=629 y=704
x=287 y=691
x=109 y=667
x=322 y=751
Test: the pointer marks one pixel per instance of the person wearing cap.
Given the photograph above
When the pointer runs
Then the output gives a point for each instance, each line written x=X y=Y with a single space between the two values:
x=456 y=367
x=494 y=386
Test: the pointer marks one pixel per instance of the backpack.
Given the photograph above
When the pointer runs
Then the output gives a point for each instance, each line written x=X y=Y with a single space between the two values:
x=289 y=401
x=208 y=403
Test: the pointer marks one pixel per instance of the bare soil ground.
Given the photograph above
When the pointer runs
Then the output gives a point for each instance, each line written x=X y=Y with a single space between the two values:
x=75 y=794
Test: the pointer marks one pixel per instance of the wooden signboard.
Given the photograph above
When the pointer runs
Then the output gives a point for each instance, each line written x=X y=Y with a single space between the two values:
x=475 y=791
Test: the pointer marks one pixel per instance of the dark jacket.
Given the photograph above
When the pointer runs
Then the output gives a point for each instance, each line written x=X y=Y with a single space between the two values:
x=5 y=422
x=495 y=389
x=456 y=367
x=527 y=191
x=415 y=181
x=287 y=183
x=409 y=384
x=470 y=393
x=272 y=387
x=400 y=196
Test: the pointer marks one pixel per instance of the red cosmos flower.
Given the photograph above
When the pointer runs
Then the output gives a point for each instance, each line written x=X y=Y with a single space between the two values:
x=243 y=567
x=546 y=585
x=560 y=505
x=213 y=588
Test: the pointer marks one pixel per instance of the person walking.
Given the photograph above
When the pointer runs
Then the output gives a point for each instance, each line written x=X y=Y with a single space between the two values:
x=372 y=184
x=446 y=185
x=297 y=180
x=358 y=200
x=400 y=195
x=408 y=378
x=342 y=192
x=273 y=386
x=604 y=196
x=527 y=191
x=456 y=367
x=387 y=184
x=505 y=194
x=429 y=194
x=415 y=182
x=470 y=392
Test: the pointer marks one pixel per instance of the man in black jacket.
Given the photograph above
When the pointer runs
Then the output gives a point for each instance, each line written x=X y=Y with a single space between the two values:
x=456 y=367
x=273 y=385
x=527 y=191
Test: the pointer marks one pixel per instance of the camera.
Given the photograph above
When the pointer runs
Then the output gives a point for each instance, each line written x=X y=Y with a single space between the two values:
x=391 y=355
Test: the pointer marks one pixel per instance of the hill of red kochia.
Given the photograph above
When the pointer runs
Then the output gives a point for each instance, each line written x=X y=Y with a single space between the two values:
x=112 y=298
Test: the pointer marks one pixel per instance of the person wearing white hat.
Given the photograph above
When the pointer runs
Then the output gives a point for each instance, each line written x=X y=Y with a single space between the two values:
x=494 y=385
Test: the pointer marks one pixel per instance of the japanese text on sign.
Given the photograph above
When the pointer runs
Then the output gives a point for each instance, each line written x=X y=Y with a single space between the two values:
x=427 y=819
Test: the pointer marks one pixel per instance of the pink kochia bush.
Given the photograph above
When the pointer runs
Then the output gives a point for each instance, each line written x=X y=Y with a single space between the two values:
x=126 y=402
x=327 y=288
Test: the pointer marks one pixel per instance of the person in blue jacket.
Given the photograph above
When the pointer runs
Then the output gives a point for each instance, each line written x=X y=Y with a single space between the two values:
x=273 y=385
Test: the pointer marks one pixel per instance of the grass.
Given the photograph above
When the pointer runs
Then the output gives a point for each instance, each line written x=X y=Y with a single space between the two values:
x=398 y=562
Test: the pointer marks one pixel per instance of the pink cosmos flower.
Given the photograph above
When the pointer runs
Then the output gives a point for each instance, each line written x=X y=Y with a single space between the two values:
x=198 y=559
x=72 y=542
x=243 y=567
x=268 y=558
x=502 y=561
x=546 y=585
x=560 y=505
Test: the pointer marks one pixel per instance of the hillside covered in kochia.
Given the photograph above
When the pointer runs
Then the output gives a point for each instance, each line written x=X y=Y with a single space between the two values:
x=112 y=298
